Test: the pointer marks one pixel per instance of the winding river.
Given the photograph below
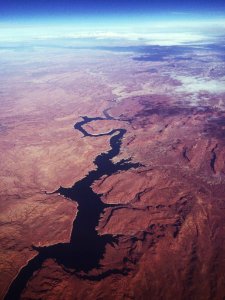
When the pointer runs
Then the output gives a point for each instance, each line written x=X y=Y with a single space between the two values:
x=86 y=248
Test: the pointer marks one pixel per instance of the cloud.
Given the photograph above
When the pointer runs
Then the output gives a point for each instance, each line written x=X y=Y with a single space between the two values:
x=150 y=33
x=197 y=84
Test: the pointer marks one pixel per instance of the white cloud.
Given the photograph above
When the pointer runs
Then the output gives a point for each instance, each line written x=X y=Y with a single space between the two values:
x=160 y=33
x=197 y=84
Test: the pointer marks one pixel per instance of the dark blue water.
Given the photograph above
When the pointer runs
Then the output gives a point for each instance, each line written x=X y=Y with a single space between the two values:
x=86 y=248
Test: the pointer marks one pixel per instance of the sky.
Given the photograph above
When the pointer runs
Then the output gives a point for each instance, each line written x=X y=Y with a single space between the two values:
x=55 y=9
x=127 y=19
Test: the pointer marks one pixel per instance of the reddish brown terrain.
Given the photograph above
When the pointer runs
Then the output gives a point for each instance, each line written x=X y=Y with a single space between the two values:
x=160 y=232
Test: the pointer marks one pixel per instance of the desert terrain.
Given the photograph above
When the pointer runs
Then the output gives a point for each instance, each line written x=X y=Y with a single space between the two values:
x=112 y=172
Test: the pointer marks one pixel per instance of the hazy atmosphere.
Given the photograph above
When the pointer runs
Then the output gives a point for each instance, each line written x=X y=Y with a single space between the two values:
x=112 y=168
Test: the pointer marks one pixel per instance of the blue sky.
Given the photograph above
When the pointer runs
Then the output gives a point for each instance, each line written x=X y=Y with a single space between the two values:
x=125 y=19
x=50 y=9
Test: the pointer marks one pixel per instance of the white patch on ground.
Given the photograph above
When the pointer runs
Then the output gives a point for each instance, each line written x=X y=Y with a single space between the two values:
x=196 y=85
